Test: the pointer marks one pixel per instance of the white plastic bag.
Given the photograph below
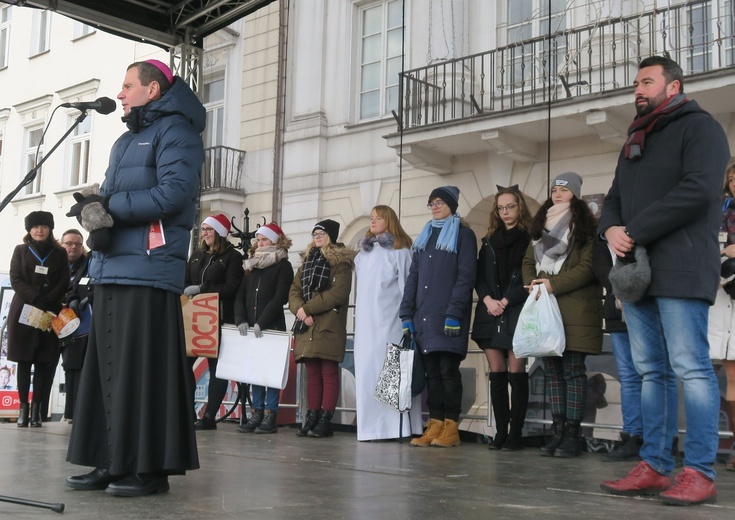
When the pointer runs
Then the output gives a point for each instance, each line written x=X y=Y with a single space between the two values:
x=540 y=330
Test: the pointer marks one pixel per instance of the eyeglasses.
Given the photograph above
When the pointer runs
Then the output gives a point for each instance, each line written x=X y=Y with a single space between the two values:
x=508 y=208
x=207 y=229
x=318 y=234
x=436 y=204
x=71 y=244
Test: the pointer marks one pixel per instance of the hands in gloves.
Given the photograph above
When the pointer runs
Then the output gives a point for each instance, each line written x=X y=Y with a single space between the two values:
x=243 y=328
x=451 y=327
x=408 y=329
x=256 y=330
x=192 y=290
x=91 y=212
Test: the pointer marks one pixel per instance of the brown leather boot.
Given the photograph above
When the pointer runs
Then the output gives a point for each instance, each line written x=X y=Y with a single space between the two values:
x=431 y=431
x=449 y=436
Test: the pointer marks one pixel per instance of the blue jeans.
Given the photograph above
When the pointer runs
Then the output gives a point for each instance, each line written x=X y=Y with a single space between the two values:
x=630 y=384
x=271 y=396
x=668 y=337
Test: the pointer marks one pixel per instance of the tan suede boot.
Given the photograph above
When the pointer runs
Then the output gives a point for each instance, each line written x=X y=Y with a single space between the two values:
x=449 y=436
x=431 y=431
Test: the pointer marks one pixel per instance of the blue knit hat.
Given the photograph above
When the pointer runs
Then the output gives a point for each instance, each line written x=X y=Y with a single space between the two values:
x=449 y=194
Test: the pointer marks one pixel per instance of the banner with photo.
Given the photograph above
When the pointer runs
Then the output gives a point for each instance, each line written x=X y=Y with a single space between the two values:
x=9 y=401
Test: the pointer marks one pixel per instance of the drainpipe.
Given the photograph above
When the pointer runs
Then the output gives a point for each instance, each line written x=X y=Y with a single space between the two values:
x=277 y=202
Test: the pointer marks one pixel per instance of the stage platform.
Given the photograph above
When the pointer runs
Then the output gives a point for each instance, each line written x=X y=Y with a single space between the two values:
x=282 y=476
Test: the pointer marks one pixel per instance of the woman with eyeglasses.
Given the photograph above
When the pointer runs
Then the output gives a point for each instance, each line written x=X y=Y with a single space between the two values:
x=501 y=297
x=215 y=267
x=436 y=308
x=563 y=235
x=319 y=298
x=382 y=264
x=39 y=275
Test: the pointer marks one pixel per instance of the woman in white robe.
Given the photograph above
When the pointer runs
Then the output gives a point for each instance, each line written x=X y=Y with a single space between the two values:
x=382 y=265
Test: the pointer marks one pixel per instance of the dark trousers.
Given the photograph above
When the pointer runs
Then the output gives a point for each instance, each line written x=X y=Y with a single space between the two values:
x=444 y=384
x=40 y=380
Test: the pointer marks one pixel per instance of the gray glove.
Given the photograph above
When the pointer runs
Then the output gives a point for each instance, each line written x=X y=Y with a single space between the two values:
x=256 y=330
x=192 y=290
x=243 y=328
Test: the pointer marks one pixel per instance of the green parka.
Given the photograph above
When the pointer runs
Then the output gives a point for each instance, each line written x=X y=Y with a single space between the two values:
x=327 y=337
x=579 y=295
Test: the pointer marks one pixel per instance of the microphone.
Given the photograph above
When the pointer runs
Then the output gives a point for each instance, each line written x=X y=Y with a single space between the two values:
x=103 y=105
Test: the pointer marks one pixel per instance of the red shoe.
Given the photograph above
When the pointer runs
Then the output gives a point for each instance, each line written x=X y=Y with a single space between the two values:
x=691 y=487
x=642 y=480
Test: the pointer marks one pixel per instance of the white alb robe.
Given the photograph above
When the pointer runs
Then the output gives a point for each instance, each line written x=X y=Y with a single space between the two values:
x=381 y=277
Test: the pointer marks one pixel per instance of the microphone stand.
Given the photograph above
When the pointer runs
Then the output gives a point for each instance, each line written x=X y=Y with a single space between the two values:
x=56 y=507
x=31 y=175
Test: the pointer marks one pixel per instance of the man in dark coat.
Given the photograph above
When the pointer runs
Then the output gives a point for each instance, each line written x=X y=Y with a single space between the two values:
x=436 y=308
x=134 y=422
x=78 y=299
x=666 y=197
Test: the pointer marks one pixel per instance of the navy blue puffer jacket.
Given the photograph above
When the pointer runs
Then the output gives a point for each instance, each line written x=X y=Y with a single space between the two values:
x=153 y=175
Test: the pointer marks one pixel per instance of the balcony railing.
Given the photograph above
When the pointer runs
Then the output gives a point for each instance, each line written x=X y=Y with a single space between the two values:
x=596 y=58
x=222 y=168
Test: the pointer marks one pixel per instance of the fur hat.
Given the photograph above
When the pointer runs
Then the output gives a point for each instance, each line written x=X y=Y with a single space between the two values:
x=270 y=231
x=449 y=194
x=39 y=218
x=330 y=227
x=571 y=181
x=220 y=223
x=630 y=280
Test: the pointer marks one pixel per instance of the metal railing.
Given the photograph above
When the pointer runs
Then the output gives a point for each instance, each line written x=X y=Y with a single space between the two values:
x=222 y=168
x=596 y=58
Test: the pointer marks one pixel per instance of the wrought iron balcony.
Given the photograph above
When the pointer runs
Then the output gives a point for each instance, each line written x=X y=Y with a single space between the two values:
x=222 y=168
x=597 y=58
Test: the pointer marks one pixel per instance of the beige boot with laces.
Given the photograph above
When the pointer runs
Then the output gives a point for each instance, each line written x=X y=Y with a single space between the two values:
x=431 y=431
x=449 y=435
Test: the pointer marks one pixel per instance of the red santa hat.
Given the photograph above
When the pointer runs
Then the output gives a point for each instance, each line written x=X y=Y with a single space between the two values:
x=220 y=223
x=270 y=231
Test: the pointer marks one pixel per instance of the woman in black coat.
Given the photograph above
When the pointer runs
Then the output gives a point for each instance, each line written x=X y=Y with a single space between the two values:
x=259 y=303
x=501 y=296
x=216 y=267
x=39 y=275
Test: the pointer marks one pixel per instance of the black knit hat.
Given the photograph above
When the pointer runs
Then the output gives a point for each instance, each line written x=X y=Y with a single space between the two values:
x=330 y=227
x=449 y=194
x=39 y=218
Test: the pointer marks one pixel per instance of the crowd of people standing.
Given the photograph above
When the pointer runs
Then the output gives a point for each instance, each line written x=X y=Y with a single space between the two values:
x=654 y=226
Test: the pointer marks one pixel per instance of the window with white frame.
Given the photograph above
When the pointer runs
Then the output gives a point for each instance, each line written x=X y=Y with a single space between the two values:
x=213 y=95
x=5 y=18
x=33 y=155
x=79 y=167
x=528 y=22
x=81 y=30
x=381 y=35
x=41 y=35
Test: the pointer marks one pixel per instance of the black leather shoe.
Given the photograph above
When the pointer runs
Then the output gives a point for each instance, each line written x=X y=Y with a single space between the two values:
x=139 y=485
x=96 y=479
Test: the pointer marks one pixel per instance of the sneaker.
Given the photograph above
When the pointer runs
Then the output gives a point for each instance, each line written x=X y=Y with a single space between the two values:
x=642 y=480
x=629 y=448
x=692 y=487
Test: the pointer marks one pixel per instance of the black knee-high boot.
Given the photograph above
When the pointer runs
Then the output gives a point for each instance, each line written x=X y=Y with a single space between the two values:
x=501 y=408
x=518 y=407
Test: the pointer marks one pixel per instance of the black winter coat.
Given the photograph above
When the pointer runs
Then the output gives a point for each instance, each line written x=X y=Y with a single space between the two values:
x=44 y=291
x=669 y=202
x=497 y=329
x=221 y=273
x=262 y=295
